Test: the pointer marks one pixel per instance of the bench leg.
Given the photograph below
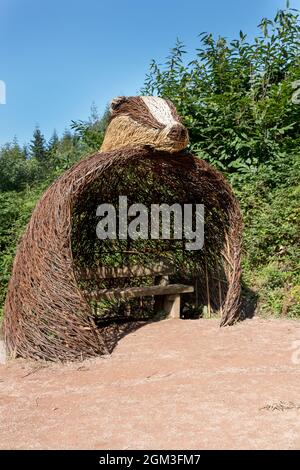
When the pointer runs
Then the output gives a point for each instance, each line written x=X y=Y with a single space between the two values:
x=172 y=305
x=159 y=299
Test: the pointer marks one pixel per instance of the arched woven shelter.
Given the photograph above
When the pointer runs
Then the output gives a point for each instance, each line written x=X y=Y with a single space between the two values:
x=46 y=313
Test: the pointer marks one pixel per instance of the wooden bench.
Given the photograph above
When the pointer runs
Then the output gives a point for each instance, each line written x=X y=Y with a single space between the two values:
x=167 y=296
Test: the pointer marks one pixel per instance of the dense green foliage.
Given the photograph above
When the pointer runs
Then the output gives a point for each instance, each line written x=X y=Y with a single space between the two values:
x=236 y=98
x=270 y=201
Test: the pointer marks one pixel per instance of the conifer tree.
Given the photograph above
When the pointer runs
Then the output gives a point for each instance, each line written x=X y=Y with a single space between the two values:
x=38 y=148
x=53 y=143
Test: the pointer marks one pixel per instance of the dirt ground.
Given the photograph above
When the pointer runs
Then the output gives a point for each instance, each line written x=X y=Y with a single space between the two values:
x=174 y=384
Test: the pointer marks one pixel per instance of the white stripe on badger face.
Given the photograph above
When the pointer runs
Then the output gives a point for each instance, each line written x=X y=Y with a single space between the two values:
x=160 y=109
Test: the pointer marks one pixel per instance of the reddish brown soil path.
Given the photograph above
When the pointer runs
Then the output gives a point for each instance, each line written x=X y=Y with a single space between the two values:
x=173 y=384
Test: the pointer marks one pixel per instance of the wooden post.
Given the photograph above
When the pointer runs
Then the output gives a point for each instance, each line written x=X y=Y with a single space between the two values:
x=172 y=305
x=158 y=299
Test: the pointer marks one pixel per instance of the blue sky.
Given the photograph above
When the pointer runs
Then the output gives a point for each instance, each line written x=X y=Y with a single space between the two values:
x=59 y=56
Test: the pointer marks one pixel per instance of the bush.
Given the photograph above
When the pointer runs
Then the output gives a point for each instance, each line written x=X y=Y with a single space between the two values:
x=236 y=97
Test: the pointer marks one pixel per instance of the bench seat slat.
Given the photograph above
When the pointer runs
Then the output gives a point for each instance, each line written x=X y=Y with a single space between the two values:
x=138 y=291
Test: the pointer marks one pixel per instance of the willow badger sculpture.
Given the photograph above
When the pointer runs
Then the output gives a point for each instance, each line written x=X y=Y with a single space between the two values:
x=46 y=314
x=145 y=120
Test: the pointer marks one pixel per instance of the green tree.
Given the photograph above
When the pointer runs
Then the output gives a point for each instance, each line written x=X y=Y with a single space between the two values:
x=38 y=147
x=53 y=143
x=91 y=132
x=13 y=168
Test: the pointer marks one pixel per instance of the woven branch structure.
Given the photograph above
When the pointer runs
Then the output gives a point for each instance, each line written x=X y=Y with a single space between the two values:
x=47 y=315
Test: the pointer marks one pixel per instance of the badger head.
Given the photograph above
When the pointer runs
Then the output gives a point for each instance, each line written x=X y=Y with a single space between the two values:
x=144 y=120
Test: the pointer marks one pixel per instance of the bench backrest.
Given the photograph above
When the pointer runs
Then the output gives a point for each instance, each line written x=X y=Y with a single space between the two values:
x=104 y=272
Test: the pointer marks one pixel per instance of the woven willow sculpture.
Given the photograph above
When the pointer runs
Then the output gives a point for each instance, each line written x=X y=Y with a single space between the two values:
x=47 y=312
